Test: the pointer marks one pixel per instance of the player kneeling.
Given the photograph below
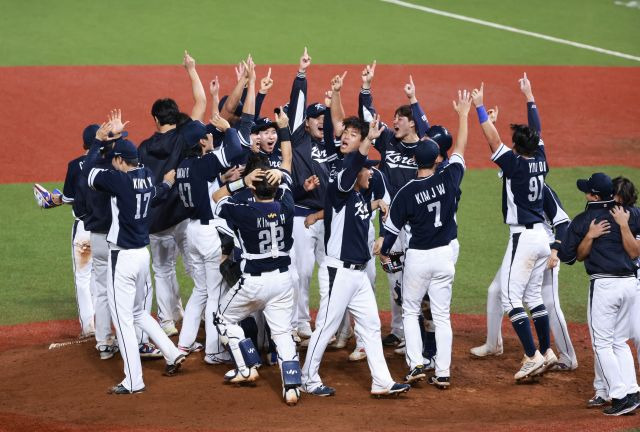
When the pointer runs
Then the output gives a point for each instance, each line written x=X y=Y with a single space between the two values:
x=264 y=227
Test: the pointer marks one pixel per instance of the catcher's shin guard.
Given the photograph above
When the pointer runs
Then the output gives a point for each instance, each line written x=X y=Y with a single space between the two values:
x=291 y=374
x=249 y=353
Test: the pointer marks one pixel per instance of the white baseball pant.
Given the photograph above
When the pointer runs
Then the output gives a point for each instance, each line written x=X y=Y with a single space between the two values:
x=99 y=280
x=203 y=249
x=523 y=266
x=271 y=292
x=165 y=246
x=127 y=287
x=428 y=272
x=81 y=261
x=344 y=289
x=309 y=249
x=551 y=301
x=401 y=244
x=609 y=316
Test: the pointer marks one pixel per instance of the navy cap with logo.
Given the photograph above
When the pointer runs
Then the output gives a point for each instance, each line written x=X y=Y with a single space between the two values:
x=193 y=131
x=262 y=124
x=89 y=134
x=125 y=149
x=426 y=152
x=316 y=110
x=442 y=137
x=598 y=184
x=370 y=163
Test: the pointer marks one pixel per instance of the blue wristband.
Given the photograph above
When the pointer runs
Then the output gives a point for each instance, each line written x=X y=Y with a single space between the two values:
x=482 y=114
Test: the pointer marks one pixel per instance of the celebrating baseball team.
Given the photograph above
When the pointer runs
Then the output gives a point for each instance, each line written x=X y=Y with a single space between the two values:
x=253 y=203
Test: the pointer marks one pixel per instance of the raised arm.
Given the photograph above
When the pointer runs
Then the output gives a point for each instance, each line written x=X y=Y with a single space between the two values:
x=488 y=128
x=230 y=105
x=284 y=137
x=199 y=96
x=265 y=84
x=366 y=111
x=214 y=91
x=298 y=98
x=419 y=117
x=232 y=147
x=337 y=113
x=462 y=107
x=532 y=110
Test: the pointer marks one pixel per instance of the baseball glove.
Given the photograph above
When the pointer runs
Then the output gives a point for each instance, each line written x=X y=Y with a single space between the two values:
x=43 y=197
x=395 y=262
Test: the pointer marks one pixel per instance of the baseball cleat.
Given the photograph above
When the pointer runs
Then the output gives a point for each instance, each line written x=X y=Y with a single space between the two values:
x=401 y=348
x=391 y=340
x=429 y=363
x=216 y=359
x=296 y=338
x=562 y=367
x=237 y=376
x=149 y=351
x=529 y=366
x=120 y=390
x=170 y=330
x=620 y=406
x=416 y=374
x=342 y=339
x=550 y=359
x=635 y=398
x=358 y=354
x=596 y=401
x=107 y=351
x=322 y=391
x=291 y=396
x=485 y=351
x=394 y=390
x=272 y=358
x=195 y=347
x=172 y=369
x=305 y=331
x=443 y=383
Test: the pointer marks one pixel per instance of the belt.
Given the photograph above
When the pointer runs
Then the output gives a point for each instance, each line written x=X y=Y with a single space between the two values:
x=281 y=270
x=353 y=266
x=528 y=226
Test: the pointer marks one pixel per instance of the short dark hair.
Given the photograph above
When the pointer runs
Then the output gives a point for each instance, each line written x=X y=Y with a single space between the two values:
x=131 y=162
x=430 y=166
x=355 y=123
x=166 y=111
x=625 y=190
x=404 y=111
x=263 y=189
x=525 y=140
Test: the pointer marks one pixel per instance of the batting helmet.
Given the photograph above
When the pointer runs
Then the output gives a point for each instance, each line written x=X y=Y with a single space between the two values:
x=442 y=137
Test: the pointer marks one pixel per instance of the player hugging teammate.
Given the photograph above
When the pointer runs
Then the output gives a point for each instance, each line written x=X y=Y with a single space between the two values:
x=259 y=201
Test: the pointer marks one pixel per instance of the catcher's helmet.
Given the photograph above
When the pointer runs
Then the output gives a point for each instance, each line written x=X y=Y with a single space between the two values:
x=442 y=137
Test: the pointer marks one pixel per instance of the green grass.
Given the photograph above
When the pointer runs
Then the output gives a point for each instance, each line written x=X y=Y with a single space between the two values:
x=76 y=32
x=37 y=282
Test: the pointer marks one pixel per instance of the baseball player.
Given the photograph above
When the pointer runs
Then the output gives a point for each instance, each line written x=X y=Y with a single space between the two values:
x=429 y=204
x=132 y=191
x=264 y=228
x=311 y=168
x=344 y=284
x=161 y=153
x=395 y=146
x=556 y=219
x=524 y=169
x=604 y=237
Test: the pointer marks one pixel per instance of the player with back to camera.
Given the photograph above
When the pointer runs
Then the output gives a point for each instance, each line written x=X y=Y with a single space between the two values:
x=524 y=170
x=264 y=227
x=429 y=204
x=344 y=284
x=133 y=192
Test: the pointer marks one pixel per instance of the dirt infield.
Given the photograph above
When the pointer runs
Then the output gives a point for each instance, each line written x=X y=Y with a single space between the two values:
x=588 y=113
x=64 y=389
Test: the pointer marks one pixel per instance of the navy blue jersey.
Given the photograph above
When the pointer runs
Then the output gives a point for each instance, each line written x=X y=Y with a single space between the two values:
x=555 y=216
x=522 y=185
x=71 y=191
x=275 y=157
x=428 y=205
x=161 y=153
x=607 y=257
x=264 y=230
x=347 y=215
x=98 y=204
x=309 y=154
x=242 y=134
x=397 y=162
x=132 y=195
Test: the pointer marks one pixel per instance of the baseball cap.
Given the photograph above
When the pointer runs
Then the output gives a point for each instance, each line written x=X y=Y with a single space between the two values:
x=426 y=152
x=262 y=124
x=89 y=134
x=442 y=137
x=238 y=110
x=598 y=184
x=125 y=149
x=316 y=110
x=193 y=131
